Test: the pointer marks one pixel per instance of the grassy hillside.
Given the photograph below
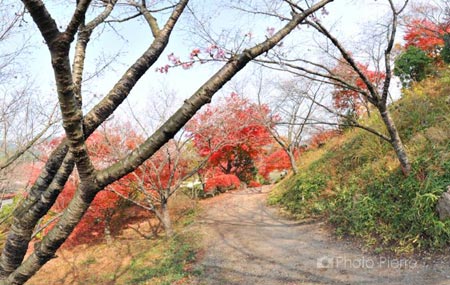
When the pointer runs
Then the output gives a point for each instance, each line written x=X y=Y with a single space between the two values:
x=130 y=259
x=355 y=180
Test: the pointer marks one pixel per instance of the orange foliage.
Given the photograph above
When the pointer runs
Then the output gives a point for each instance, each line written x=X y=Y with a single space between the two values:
x=322 y=137
x=278 y=160
x=425 y=35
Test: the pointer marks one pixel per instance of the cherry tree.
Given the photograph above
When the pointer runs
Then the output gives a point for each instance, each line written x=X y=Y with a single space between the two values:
x=96 y=223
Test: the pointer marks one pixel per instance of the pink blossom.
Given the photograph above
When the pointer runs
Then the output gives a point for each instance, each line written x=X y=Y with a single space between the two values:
x=220 y=54
x=210 y=49
x=270 y=31
x=195 y=52
x=163 y=69
x=173 y=59
x=187 y=65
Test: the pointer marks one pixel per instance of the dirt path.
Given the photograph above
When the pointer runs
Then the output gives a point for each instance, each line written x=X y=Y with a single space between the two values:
x=246 y=242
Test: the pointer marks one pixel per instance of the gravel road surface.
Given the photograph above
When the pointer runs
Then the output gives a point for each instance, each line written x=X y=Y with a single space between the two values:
x=247 y=242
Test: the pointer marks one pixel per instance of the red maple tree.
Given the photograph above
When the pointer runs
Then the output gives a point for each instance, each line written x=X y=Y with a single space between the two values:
x=232 y=135
x=277 y=160
x=425 y=35
x=104 y=148
x=222 y=183
x=347 y=97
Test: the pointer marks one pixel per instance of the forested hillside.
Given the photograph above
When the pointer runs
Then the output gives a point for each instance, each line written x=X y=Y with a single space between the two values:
x=355 y=181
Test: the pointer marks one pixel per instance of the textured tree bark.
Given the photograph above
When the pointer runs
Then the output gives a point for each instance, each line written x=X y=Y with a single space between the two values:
x=59 y=45
x=60 y=164
x=396 y=141
x=45 y=250
x=27 y=215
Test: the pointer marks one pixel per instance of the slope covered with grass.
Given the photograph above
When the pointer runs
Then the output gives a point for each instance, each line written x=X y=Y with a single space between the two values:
x=355 y=180
x=130 y=259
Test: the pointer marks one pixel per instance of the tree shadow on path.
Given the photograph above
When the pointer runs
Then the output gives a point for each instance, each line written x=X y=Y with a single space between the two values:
x=249 y=243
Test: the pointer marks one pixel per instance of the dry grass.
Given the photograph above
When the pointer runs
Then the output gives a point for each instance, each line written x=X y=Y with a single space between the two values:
x=128 y=256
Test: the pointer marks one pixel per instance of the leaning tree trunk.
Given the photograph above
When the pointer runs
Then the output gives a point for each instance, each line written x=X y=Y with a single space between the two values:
x=396 y=141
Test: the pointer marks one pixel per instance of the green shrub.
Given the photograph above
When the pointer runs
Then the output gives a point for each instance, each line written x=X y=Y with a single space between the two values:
x=396 y=212
x=445 y=52
x=412 y=65
x=307 y=188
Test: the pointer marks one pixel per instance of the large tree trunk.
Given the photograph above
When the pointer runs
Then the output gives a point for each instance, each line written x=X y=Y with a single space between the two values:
x=45 y=249
x=396 y=141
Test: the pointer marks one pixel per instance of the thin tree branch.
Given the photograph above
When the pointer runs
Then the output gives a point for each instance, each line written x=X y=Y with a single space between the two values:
x=346 y=55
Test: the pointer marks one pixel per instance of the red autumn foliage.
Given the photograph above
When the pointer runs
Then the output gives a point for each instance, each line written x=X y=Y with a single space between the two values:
x=322 y=137
x=425 y=35
x=253 y=184
x=102 y=150
x=278 y=160
x=232 y=135
x=347 y=99
x=92 y=226
x=160 y=172
x=222 y=183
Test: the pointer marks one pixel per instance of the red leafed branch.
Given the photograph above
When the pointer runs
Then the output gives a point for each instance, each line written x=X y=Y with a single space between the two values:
x=222 y=183
x=345 y=97
x=232 y=134
x=425 y=35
